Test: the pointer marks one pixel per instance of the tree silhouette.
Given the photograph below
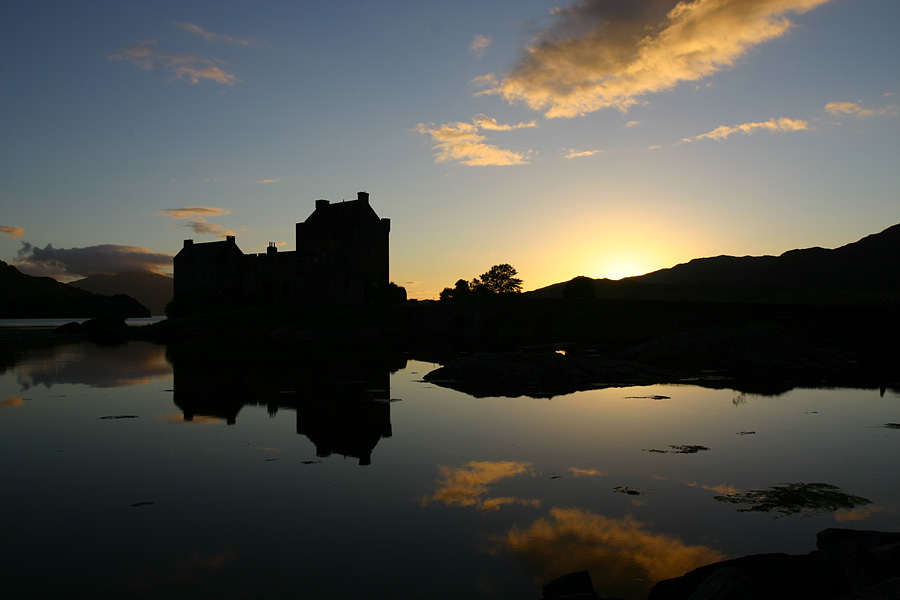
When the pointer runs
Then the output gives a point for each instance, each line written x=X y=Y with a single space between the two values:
x=500 y=279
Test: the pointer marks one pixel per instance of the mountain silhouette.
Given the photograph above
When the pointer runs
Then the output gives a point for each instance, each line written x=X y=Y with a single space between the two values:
x=868 y=268
x=26 y=297
x=150 y=289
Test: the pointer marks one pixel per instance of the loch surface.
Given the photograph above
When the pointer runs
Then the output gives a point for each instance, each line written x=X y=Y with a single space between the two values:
x=137 y=471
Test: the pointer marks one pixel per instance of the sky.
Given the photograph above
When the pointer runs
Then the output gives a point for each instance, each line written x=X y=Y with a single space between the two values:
x=605 y=138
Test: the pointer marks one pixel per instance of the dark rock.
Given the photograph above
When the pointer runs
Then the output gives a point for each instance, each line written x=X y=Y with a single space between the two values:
x=541 y=374
x=100 y=328
x=577 y=586
x=847 y=564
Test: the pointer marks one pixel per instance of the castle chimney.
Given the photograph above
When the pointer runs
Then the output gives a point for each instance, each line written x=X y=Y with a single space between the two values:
x=363 y=197
x=229 y=239
x=188 y=243
x=321 y=204
x=272 y=249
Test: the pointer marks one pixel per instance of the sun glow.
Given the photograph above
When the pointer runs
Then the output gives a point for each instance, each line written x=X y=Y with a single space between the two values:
x=618 y=265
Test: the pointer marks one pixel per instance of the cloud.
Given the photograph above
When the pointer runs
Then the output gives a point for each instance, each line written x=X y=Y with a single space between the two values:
x=578 y=472
x=209 y=36
x=200 y=226
x=852 y=108
x=772 y=126
x=632 y=123
x=190 y=212
x=90 y=260
x=185 y=67
x=12 y=401
x=620 y=552
x=491 y=124
x=198 y=223
x=610 y=53
x=269 y=180
x=468 y=485
x=573 y=153
x=461 y=142
x=13 y=232
x=479 y=45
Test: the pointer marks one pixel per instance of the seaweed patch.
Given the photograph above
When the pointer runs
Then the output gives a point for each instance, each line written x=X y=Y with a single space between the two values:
x=679 y=449
x=804 y=499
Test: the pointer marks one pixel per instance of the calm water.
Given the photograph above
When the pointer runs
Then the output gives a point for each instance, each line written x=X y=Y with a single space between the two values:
x=277 y=478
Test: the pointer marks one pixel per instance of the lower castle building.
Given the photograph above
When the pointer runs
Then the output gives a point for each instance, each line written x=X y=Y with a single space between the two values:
x=341 y=256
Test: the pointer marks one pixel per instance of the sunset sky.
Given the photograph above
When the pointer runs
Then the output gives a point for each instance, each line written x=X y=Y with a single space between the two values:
x=604 y=138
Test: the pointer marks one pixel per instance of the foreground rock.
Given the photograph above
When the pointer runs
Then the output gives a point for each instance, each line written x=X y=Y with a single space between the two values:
x=542 y=374
x=847 y=564
x=98 y=329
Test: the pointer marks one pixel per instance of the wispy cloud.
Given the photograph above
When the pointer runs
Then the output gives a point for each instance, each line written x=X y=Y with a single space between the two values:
x=189 y=212
x=852 y=108
x=269 y=180
x=491 y=124
x=479 y=45
x=209 y=36
x=600 y=53
x=198 y=214
x=462 y=142
x=90 y=260
x=573 y=153
x=200 y=226
x=772 y=126
x=469 y=485
x=578 y=472
x=13 y=232
x=632 y=123
x=185 y=67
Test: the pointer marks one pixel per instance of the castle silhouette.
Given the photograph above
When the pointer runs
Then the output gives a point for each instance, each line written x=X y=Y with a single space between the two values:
x=341 y=256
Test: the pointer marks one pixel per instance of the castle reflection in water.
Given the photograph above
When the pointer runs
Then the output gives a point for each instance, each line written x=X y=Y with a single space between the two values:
x=343 y=407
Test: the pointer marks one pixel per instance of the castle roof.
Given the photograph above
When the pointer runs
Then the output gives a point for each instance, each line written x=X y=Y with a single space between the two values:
x=207 y=249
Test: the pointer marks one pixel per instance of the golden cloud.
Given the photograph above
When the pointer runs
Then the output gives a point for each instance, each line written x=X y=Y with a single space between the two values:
x=576 y=472
x=852 y=108
x=185 y=67
x=860 y=513
x=619 y=552
x=190 y=212
x=468 y=485
x=461 y=142
x=12 y=401
x=13 y=232
x=722 y=488
x=772 y=126
x=268 y=180
x=573 y=153
x=600 y=54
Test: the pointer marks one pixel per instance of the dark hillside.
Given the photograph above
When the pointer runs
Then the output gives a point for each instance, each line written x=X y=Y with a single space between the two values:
x=866 y=271
x=25 y=297
x=150 y=289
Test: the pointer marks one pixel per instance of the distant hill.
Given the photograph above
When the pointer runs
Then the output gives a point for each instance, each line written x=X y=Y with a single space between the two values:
x=25 y=297
x=868 y=269
x=150 y=289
